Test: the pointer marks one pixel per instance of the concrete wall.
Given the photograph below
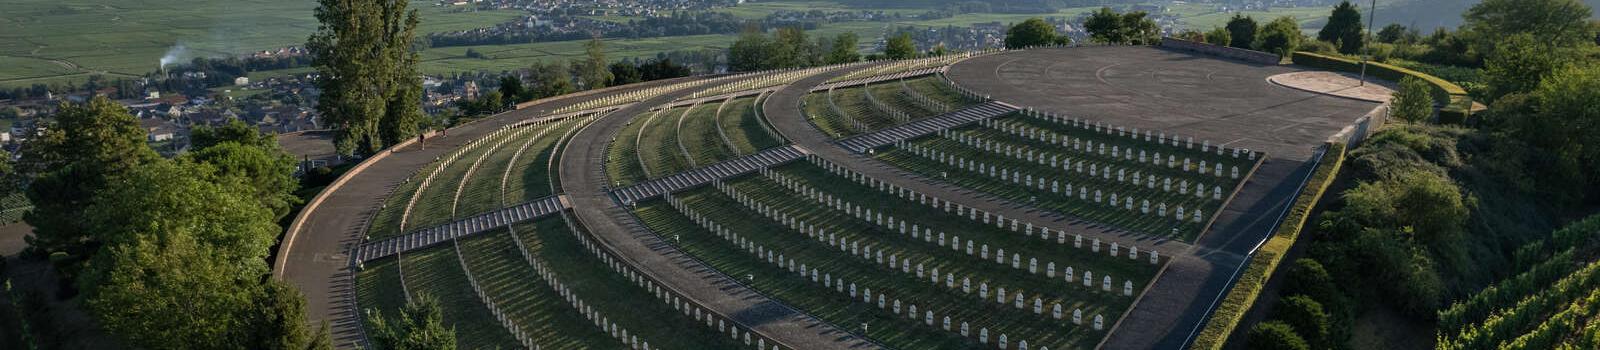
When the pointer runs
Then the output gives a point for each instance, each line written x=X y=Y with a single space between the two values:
x=1251 y=56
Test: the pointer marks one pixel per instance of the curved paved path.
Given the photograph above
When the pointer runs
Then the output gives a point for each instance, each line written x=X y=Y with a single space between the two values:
x=314 y=255
x=1225 y=101
x=583 y=179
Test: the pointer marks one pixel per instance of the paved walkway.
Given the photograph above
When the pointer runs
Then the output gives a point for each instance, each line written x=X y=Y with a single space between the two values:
x=583 y=179
x=1175 y=92
x=1336 y=84
x=314 y=255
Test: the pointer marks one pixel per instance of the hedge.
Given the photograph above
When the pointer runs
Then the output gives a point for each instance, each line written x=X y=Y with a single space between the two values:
x=1456 y=104
x=1227 y=315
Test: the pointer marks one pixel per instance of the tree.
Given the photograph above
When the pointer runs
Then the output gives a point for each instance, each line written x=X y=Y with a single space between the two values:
x=1343 y=28
x=901 y=47
x=1104 y=26
x=1219 y=36
x=237 y=131
x=592 y=72
x=267 y=170
x=1563 y=122
x=511 y=88
x=1520 y=62
x=419 y=327
x=1392 y=33
x=1031 y=32
x=185 y=278
x=748 y=53
x=1306 y=316
x=790 y=48
x=844 y=49
x=278 y=321
x=1275 y=335
x=362 y=51
x=1413 y=103
x=68 y=163
x=624 y=73
x=1281 y=36
x=1139 y=29
x=1558 y=23
x=1243 y=31
x=549 y=79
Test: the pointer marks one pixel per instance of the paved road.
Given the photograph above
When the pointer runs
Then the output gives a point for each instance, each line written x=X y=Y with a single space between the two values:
x=315 y=259
x=582 y=177
x=1228 y=102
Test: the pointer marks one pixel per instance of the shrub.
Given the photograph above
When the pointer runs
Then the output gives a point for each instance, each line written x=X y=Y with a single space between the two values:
x=1275 y=336
x=1412 y=103
x=1457 y=104
x=1306 y=316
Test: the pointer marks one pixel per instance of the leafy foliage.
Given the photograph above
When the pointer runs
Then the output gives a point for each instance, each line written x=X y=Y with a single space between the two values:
x=1305 y=315
x=1243 y=31
x=1219 y=36
x=900 y=47
x=844 y=49
x=369 y=84
x=1275 y=335
x=1281 y=36
x=1344 y=28
x=1135 y=28
x=419 y=327
x=1031 y=32
x=1412 y=103
x=70 y=162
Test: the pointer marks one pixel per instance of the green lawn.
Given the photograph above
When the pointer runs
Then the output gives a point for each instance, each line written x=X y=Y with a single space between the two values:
x=698 y=133
x=853 y=106
x=740 y=120
x=437 y=271
x=623 y=161
x=658 y=144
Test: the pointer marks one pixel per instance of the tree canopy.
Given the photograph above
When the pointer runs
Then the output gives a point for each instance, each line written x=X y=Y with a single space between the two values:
x=1552 y=22
x=1031 y=32
x=1344 y=28
x=1413 y=103
x=420 y=326
x=900 y=47
x=371 y=91
x=68 y=163
x=1132 y=28
x=844 y=49
x=1243 y=30
x=1281 y=36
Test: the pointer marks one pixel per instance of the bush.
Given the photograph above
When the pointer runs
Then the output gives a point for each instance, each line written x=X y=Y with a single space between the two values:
x=1275 y=336
x=1306 y=316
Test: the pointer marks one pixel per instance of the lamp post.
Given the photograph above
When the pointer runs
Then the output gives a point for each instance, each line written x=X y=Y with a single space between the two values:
x=1372 y=14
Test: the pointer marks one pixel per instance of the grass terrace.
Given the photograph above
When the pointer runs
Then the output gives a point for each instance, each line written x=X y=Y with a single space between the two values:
x=614 y=295
x=1047 y=156
x=758 y=231
x=743 y=128
x=486 y=161
x=673 y=140
x=853 y=110
x=903 y=66
x=437 y=271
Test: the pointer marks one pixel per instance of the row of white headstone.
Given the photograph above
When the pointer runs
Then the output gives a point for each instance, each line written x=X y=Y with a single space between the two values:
x=923 y=101
x=1149 y=136
x=765 y=79
x=864 y=295
x=679 y=303
x=915 y=231
x=1029 y=180
x=1087 y=147
x=893 y=113
x=1095 y=170
x=1026 y=229
x=855 y=124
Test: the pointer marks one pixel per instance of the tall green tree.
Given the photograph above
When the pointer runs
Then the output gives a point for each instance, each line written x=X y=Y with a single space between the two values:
x=420 y=327
x=1139 y=29
x=1031 y=32
x=844 y=49
x=511 y=87
x=549 y=79
x=79 y=155
x=1413 y=103
x=1243 y=29
x=1344 y=28
x=370 y=90
x=1558 y=23
x=1274 y=335
x=900 y=47
x=748 y=53
x=1281 y=36
x=1104 y=26
x=1561 y=125
x=591 y=71
x=1519 y=62
x=1307 y=318
x=791 y=48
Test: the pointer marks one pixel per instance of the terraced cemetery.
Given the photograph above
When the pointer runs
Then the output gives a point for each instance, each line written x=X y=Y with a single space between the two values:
x=857 y=109
x=1147 y=182
x=705 y=223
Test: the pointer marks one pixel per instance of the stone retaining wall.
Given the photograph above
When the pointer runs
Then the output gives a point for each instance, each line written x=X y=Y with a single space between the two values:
x=1251 y=56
